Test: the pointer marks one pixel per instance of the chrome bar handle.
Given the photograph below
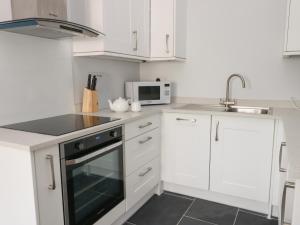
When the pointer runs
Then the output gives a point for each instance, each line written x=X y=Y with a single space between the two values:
x=167 y=43
x=188 y=120
x=145 y=141
x=53 y=185
x=135 y=34
x=281 y=169
x=146 y=172
x=283 y=203
x=145 y=125
x=217 y=131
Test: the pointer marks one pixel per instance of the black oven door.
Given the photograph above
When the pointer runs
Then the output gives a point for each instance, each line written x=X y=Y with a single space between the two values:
x=92 y=185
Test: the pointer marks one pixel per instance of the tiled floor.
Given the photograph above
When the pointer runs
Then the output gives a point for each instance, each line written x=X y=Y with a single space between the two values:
x=174 y=209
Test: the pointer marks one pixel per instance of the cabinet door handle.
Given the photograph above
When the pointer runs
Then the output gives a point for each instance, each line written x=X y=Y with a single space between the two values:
x=281 y=169
x=283 y=203
x=53 y=185
x=217 y=131
x=145 y=125
x=167 y=43
x=188 y=120
x=146 y=172
x=146 y=140
x=135 y=34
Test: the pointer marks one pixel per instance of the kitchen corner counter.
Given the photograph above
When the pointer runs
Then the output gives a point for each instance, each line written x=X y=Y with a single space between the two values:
x=31 y=141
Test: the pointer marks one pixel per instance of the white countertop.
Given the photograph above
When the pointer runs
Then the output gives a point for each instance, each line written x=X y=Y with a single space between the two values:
x=32 y=141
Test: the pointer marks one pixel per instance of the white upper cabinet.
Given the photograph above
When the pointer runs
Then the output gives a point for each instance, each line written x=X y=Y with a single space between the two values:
x=241 y=157
x=144 y=30
x=292 y=43
x=186 y=149
x=168 y=29
x=162 y=28
x=125 y=24
x=118 y=26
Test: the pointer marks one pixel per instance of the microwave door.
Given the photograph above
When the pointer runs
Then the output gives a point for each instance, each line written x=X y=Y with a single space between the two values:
x=150 y=94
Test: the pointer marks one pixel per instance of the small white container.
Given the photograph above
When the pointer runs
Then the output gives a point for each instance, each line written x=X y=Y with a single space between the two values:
x=136 y=106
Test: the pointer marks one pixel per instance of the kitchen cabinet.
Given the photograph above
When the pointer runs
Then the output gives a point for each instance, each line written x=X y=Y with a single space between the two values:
x=168 y=29
x=144 y=30
x=142 y=157
x=292 y=42
x=125 y=24
x=241 y=156
x=49 y=189
x=186 y=149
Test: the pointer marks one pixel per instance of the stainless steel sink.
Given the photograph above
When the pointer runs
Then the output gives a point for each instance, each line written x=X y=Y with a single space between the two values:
x=246 y=109
x=233 y=109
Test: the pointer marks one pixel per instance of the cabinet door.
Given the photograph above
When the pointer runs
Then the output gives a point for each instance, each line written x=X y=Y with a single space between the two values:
x=180 y=26
x=241 y=156
x=49 y=197
x=162 y=28
x=86 y=12
x=141 y=27
x=186 y=149
x=117 y=26
x=293 y=29
x=54 y=9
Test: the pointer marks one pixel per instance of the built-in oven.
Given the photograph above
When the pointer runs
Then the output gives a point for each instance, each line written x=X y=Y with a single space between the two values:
x=92 y=176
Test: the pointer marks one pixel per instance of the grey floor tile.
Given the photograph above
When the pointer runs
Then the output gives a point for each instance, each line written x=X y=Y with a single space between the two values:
x=190 y=221
x=161 y=210
x=244 y=218
x=252 y=212
x=179 y=195
x=213 y=212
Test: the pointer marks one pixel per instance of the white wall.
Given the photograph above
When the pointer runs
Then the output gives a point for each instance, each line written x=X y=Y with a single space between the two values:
x=233 y=36
x=35 y=78
x=111 y=85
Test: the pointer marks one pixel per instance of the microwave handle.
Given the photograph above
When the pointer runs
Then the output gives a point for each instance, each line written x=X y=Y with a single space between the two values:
x=72 y=162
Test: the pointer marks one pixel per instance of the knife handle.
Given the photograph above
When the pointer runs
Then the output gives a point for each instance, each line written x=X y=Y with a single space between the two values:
x=89 y=82
x=94 y=82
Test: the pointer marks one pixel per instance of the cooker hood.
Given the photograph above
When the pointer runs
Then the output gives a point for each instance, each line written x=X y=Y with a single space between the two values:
x=48 y=28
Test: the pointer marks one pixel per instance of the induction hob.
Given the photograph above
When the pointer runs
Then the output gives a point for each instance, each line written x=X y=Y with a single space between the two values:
x=60 y=125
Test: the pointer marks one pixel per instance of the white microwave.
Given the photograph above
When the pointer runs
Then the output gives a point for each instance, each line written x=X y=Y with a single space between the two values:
x=149 y=93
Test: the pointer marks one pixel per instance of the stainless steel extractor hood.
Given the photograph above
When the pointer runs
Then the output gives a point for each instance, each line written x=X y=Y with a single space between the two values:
x=48 y=28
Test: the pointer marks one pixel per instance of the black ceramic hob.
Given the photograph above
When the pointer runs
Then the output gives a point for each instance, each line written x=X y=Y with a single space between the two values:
x=60 y=125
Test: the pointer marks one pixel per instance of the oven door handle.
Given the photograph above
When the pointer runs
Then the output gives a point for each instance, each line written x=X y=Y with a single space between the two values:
x=93 y=154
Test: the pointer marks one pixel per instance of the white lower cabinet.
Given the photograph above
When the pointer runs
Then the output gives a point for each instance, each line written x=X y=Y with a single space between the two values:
x=141 y=182
x=141 y=150
x=49 y=190
x=241 y=156
x=186 y=149
x=142 y=158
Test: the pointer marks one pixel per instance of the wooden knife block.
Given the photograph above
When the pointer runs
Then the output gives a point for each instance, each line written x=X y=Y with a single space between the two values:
x=90 y=102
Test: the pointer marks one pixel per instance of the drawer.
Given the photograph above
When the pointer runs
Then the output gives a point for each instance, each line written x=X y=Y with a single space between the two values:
x=141 y=182
x=142 y=149
x=141 y=126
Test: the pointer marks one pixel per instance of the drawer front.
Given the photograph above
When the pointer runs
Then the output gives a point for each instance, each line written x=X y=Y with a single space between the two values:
x=142 y=149
x=141 y=182
x=141 y=126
